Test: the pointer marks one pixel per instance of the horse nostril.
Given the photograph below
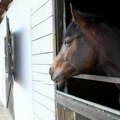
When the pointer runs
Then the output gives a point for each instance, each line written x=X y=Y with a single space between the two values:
x=50 y=71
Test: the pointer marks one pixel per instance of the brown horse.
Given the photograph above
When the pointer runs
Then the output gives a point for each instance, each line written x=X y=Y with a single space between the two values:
x=89 y=43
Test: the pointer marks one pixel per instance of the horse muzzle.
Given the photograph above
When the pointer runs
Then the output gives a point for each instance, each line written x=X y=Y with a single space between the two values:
x=55 y=76
x=51 y=73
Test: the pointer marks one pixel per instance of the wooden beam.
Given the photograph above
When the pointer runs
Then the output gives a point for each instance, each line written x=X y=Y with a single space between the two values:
x=86 y=108
x=6 y=1
x=99 y=78
x=3 y=7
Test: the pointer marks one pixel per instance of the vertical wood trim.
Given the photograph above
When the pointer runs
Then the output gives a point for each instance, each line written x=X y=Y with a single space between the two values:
x=53 y=45
x=59 y=22
x=59 y=25
x=74 y=115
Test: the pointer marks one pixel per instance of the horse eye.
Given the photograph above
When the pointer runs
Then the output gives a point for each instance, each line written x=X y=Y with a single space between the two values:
x=67 y=42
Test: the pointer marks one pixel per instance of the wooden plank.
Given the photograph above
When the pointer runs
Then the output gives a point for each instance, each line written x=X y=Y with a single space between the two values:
x=87 y=109
x=35 y=117
x=42 y=45
x=99 y=78
x=3 y=7
x=44 y=100
x=43 y=29
x=38 y=6
x=42 y=112
x=60 y=112
x=43 y=78
x=41 y=68
x=64 y=113
x=44 y=89
x=43 y=13
x=80 y=117
x=6 y=2
x=42 y=59
x=69 y=115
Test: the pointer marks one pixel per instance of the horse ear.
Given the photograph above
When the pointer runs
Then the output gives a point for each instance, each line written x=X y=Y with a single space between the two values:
x=76 y=16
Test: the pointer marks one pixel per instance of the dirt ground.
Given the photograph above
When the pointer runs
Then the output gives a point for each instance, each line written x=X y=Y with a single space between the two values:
x=4 y=114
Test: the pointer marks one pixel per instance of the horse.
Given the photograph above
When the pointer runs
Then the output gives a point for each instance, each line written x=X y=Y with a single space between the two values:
x=89 y=43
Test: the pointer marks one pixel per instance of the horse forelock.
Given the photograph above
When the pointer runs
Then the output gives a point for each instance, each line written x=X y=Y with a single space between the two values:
x=72 y=29
x=94 y=21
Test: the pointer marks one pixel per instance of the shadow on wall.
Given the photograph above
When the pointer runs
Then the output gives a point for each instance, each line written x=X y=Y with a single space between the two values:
x=22 y=57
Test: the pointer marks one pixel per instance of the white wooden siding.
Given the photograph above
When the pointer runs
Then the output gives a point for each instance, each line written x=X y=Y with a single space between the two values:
x=43 y=88
x=45 y=58
x=45 y=101
x=35 y=117
x=43 y=29
x=42 y=112
x=40 y=16
x=38 y=6
x=44 y=78
x=42 y=57
x=41 y=68
x=42 y=45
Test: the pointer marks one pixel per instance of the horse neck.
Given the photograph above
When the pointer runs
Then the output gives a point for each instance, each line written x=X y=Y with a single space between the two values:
x=109 y=57
x=111 y=70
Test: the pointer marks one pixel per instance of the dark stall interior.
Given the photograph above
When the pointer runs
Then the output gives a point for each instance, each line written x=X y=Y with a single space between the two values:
x=106 y=94
x=110 y=9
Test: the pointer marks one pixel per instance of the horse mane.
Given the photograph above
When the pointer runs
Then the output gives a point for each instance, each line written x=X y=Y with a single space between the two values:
x=105 y=30
x=94 y=19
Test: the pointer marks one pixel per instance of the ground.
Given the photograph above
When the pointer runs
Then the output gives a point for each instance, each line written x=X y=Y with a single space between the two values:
x=4 y=114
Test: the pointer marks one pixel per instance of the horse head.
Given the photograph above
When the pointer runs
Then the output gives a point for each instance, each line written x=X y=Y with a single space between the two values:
x=76 y=54
x=87 y=45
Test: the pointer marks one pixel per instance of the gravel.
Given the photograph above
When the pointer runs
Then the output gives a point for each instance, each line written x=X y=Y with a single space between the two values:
x=4 y=113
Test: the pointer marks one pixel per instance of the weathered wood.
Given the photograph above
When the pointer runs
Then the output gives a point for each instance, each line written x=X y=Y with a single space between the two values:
x=99 y=78
x=6 y=1
x=3 y=7
x=60 y=112
x=85 y=108
x=69 y=115
x=64 y=113
x=80 y=117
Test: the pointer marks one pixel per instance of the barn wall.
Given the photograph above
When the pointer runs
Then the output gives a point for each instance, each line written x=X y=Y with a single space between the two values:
x=42 y=57
x=2 y=66
x=19 y=16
